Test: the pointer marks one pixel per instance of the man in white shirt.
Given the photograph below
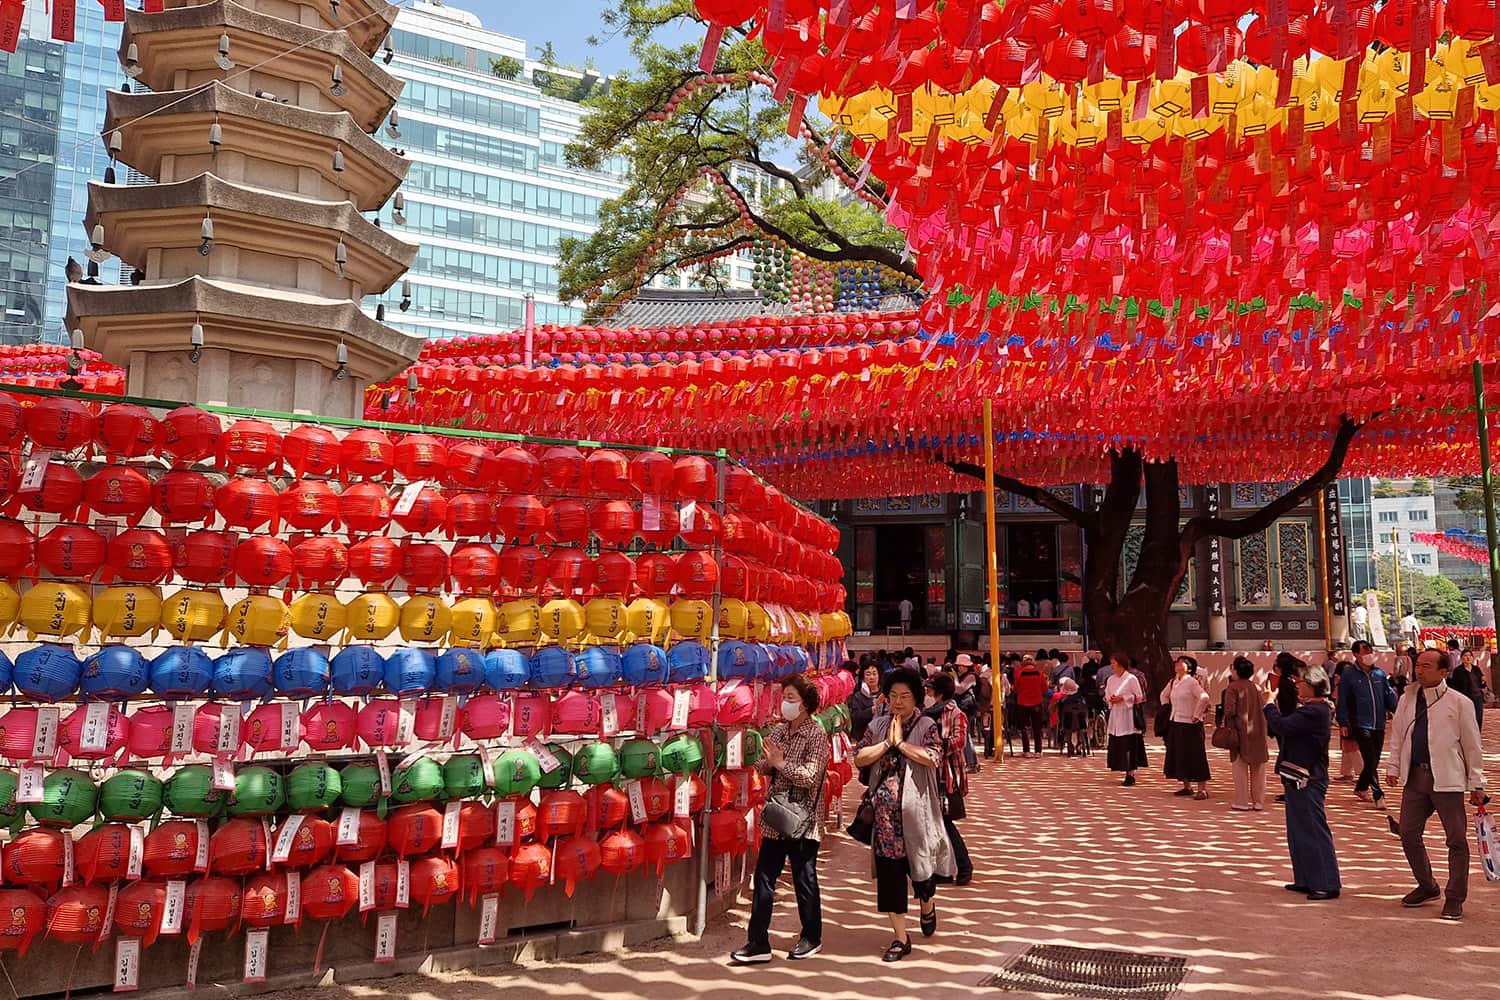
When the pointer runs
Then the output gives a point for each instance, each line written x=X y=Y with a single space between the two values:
x=1044 y=608
x=1023 y=608
x=905 y=607
x=1437 y=756
x=1411 y=628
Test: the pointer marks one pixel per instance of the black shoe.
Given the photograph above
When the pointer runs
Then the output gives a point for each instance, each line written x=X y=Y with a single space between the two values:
x=1280 y=798
x=1453 y=910
x=1390 y=821
x=1129 y=780
x=897 y=951
x=964 y=878
x=1183 y=792
x=1319 y=895
x=929 y=922
x=1294 y=887
x=751 y=955
x=1420 y=896
x=805 y=949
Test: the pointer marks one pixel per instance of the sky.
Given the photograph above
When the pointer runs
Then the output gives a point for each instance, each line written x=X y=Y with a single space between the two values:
x=565 y=23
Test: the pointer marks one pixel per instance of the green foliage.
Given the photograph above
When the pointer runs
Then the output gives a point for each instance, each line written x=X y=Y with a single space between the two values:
x=1435 y=599
x=1421 y=486
x=642 y=234
x=1468 y=494
x=507 y=67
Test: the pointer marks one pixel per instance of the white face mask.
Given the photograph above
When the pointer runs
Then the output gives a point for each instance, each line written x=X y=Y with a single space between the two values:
x=1367 y=659
x=790 y=710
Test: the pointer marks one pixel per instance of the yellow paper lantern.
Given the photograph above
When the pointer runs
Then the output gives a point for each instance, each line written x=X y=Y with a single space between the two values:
x=757 y=623
x=648 y=620
x=562 y=620
x=473 y=622
x=734 y=619
x=10 y=605
x=604 y=618
x=692 y=619
x=127 y=612
x=318 y=616
x=194 y=615
x=55 y=609
x=425 y=618
x=371 y=616
x=520 y=623
x=258 y=620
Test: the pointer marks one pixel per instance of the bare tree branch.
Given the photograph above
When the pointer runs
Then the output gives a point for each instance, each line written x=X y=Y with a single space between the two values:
x=1036 y=494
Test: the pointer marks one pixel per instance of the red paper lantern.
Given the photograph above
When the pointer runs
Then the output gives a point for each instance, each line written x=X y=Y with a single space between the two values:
x=665 y=843
x=476 y=568
x=562 y=469
x=247 y=503
x=60 y=492
x=608 y=806
x=697 y=574
x=183 y=497
x=569 y=521
x=485 y=870
x=560 y=813
x=523 y=568
x=655 y=573
x=434 y=880
x=366 y=452
x=608 y=473
x=470 y=515
x=138 y=909
x=188 y=434
x=421 y=456
x=249 y=444
x=264 y=899
x=729 y=833
x=614 y=522
x=369 y=843
x=667 y=524
x=118 y=491
x=621 y=852
x=522 y=516
x=329 y=892
x=26 y=917
x=213 y=904
x=57 y=423
x=414 y=829
x=472 y=465
x=652 y=473
x=309 y=505
x=518 y=470
x=126 y=430
x=365 y=507
x=531 y=868
x=693 y=478
x=329 y=725
x=424 y=566
x=71 y=552
x=35 y=858
x=206 y=556
x=103 y=854
x=17 y=548
x=320 y=560
x=614 y=574
x=577 y=860
x=476 y=825
x=311 y=450
x=702 y=530
x=263 y=561
x=172 y=849
x=238 y=847
x=12 y=421
x=375 y=561
x=76 y=914
x=567 y=571
x=427 y=514
x=139 y=555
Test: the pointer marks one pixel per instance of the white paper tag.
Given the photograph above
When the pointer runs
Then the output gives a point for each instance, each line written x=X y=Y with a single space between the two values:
x=838 y=748
x=682 y=701
x=383 y=764
x=44 y=746
x=546 y=758
x=223 y=774
x=485 y=764
x=286 y=838
x=650 y=513
x=137 y=853
x=171 y=910
x=69 y=868
x=348 y=827
x=35 y=473
x=127 y=964
x=228 y=738
x=682 y=798
x=109 y=911
x=489 y=917
x=256 y=942
x=406 y=720
x=195 y=952
x=403 y=883
x=734 y=749
x=614 y=398
x=95 y=735
x=293 y=898
x=182 y=728
x=448 y=717
x=450 y=824
x=609 y=715
x=29 y=787
x=640 y=715
x=688 y=516
x=385 y=938
x=722 y=874
x=408 y=499
x=637 y=796
x=505 y=824
x=291 y=734
x=265 y=836
x=200 y=858
x=367 y=887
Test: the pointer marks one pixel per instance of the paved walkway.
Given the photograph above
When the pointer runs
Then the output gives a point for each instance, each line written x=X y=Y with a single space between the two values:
x=1064 y=855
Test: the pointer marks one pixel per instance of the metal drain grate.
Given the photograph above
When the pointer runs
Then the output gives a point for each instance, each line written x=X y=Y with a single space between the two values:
x=1089 y=972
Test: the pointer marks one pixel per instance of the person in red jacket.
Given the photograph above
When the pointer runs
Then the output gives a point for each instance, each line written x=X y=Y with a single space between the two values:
x=1031 y=693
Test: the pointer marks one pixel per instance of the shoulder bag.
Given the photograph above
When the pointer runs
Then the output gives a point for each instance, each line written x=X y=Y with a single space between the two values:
x=788 y=817
x=1226 y=737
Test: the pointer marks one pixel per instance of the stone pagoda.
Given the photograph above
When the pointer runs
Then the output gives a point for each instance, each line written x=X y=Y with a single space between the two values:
x=251 y=251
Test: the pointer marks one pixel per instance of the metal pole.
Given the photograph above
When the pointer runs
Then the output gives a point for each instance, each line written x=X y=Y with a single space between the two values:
x=1323 y=570
x=997 y=676
x=530 y=326
x=1396 y=567
x=700 y=913
x=1486 y=480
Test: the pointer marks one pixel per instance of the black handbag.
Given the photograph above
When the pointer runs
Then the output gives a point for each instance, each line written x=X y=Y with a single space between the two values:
x=791 y=819
x=1163 y=720
x=953 y=806
x=1138 y=717
x=863 y=827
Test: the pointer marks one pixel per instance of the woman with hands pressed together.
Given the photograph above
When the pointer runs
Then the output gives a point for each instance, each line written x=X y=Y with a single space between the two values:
x=902 y=750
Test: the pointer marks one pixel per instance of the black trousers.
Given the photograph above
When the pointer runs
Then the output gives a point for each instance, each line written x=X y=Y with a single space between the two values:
x=1370 y=742
x=891 y=876
x=1032 y=718
x=774 y=854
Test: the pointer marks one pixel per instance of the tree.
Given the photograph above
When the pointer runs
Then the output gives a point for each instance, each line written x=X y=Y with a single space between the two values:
x=1133 y=619
x=1435 y=600
x=1468 y=494
x=688 y=141
x=506 y=67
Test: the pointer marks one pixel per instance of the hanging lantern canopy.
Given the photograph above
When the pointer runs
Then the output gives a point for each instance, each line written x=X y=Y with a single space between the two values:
x=72 y=552
x=57 y=423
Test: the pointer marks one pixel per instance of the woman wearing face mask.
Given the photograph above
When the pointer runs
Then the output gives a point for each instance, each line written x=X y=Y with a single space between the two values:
x=796 y=756
x=865 y=701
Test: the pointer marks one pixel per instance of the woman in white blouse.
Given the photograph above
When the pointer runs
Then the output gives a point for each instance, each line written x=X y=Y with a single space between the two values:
x=1187 y=756
x=1127 y=742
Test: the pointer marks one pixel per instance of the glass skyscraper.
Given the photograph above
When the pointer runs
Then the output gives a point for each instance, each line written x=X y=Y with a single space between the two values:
x=488 y=197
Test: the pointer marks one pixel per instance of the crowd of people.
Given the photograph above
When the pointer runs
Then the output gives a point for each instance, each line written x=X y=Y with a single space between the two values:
x=914 y=727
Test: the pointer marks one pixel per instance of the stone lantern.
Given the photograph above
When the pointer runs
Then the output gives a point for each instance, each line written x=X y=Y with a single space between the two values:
x=253 y=252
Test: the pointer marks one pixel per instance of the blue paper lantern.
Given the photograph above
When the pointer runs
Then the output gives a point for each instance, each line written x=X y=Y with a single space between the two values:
x=47 y=672
x=599 y=667
x=301 y=673
x=460 y=671
x=357 y=670
x=181 y=672
x=506 y=669
x=644 y=664
x=410 y=671
x=688 y=662
x=115 y=672
x=552 y=667
x=243 y=674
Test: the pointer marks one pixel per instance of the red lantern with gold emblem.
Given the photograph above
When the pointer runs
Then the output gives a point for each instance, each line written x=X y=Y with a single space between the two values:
x=264 y=902
x=118 y=491
x=365 y=507
x=375 y=561
x=26 y=916
x=248 y=503
x=140 y=555
x=421 y=456
x=188 y=434
x=76 y=914
x=434 y=880
x=309 y=505
x=126 y=430
x=329 y=892
x=249 y=444
x=367 y=453
x=320 y=560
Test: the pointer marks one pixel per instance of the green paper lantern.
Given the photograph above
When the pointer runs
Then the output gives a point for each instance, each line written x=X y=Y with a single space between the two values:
x=190 y=792
x=68 y=798
x=639 y=759
x=751 y=749
x=419 y=780
x=361 y=785
x=559 y=775
x=258 y=791
x=596 y=764
x=682 y=754
x=463 y=776
x=516 y=773
x=11 y=811
x=130 y=795
x=313 y=787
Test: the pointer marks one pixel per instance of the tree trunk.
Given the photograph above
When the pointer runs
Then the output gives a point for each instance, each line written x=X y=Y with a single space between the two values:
x=1135 y=625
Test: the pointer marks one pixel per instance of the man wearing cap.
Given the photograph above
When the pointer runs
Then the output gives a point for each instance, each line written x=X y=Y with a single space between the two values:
x=1436 y=754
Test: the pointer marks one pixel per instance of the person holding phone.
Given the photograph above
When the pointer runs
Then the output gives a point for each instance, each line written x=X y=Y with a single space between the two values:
x=1302 y=765
x=909 y=843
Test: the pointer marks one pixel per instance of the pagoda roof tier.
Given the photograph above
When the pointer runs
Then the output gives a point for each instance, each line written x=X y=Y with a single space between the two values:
x=261 y=225
x=119 y=321
x=277 y=144
x=176 y=50
x=368 y=22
